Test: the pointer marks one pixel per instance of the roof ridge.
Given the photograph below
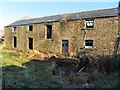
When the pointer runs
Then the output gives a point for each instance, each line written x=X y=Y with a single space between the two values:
x=67 y=14
x=77 y=15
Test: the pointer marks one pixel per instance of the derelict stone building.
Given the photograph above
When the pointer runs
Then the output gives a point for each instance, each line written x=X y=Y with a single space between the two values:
x=95 y=31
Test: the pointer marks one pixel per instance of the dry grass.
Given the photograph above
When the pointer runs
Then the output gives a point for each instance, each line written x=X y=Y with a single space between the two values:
x=19 y=72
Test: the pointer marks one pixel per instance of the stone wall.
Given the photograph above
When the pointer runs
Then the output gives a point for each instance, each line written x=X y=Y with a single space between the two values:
x=103 y=34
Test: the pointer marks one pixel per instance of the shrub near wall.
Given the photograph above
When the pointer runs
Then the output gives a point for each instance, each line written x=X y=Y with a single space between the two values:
x=46 y=46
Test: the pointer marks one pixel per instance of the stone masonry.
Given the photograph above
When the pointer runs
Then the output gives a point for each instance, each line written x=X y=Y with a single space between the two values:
x=104 y=35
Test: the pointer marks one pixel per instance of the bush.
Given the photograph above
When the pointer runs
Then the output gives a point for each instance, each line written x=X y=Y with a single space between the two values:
x=107 y=64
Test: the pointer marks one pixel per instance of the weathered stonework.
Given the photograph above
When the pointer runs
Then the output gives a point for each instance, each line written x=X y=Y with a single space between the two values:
x=103 y=34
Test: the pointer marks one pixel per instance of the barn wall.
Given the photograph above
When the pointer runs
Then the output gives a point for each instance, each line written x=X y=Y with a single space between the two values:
x=103 y=35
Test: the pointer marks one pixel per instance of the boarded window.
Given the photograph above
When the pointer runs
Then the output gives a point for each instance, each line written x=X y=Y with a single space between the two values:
x=89 y=24
x=30 y=43
x=30 y=28
x=15 y=42
x=14 y=29
x=88 y=43
x=49 y=31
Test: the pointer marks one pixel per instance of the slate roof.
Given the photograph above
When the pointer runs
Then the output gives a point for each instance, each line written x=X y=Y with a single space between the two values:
x=80 y=15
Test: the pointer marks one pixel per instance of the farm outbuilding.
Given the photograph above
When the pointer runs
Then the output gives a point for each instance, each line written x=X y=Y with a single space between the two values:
x=96 y=31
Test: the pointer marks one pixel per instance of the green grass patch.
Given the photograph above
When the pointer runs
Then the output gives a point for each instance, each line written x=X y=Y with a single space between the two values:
x=23 y=73
x=10 y=57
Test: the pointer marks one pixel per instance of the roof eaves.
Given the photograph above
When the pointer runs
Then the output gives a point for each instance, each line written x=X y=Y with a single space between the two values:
x=73 y=16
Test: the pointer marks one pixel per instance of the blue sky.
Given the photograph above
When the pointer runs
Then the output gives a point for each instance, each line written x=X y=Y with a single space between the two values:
x=12 y=11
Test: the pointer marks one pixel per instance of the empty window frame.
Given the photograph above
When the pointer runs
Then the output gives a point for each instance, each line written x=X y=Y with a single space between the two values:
x=88 y=43
x=14 y=29
x=89 y=23
x=30 y=42
x=30 y=28
x=49 y=31
x=15 y=41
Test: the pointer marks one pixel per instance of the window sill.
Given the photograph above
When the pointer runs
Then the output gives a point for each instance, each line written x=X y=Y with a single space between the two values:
x=13 y=32
x=87 y=29
x=49 y=39
x=90 y=49
x=29 y=32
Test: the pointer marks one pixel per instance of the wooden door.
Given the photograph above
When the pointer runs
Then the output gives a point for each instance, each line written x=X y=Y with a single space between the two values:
x=64 y=46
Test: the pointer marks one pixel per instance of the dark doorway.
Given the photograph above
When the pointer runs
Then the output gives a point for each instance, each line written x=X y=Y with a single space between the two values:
x=49 y=31
x=31 y=43
x=30 y=28
x=15 y=42
x=64 y=46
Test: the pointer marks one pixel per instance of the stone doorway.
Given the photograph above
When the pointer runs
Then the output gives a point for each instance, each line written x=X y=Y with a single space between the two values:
x=64 y=46
x=31 y=43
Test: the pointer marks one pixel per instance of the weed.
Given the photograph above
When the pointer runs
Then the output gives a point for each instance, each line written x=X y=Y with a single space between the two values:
x=107 y=64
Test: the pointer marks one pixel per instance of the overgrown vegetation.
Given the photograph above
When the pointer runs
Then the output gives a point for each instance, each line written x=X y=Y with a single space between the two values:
x=46 y=46
x=103 y=72
x=20 y=72
x=64 y=23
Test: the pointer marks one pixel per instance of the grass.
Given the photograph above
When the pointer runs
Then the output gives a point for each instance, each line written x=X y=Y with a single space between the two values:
x=23 y=73
x=110 y=81
x=20 y=72
x=9 y=58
